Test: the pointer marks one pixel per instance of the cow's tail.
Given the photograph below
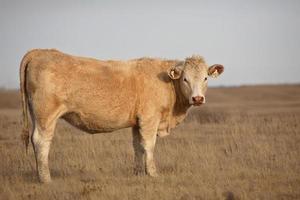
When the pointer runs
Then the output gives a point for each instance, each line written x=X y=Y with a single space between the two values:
x=25 y=130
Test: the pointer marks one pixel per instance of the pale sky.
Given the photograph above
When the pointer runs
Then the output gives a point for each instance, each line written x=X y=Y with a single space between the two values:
x=258 y=41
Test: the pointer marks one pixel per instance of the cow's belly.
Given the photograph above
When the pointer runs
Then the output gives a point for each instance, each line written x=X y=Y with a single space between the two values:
x=92 y=123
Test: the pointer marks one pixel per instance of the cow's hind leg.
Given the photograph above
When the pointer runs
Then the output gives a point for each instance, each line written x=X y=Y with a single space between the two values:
x=41 y=140
x=43 y=132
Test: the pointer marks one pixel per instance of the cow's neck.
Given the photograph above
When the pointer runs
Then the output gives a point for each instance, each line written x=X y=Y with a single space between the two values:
x=181 y=104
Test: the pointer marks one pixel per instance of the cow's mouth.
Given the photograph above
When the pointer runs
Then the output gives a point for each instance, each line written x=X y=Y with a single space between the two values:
x=197 y=104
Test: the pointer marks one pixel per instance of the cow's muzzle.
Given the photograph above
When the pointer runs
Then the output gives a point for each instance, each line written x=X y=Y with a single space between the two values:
x=198 y=100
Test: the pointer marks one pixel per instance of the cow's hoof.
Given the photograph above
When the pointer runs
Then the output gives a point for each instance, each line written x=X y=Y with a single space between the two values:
x=139 y=172
x=153 y=174
x=45 y=180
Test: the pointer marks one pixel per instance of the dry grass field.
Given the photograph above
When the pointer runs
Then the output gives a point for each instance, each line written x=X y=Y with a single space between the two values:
x=243 y=144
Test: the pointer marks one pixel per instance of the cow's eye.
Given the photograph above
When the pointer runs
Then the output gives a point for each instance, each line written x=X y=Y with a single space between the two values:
x=205 y=79
x=185 y=80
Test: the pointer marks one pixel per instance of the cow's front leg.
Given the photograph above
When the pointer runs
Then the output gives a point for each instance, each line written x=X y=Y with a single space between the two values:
x=149 y=144
x=139 y=166
x=148 y=132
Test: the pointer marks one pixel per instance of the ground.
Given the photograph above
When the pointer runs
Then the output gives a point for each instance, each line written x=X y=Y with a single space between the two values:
x=243 y=144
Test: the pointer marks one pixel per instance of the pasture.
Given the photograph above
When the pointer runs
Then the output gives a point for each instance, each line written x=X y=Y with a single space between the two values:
x=243 y=144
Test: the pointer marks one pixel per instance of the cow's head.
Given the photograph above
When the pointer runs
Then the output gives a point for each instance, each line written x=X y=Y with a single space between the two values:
x=192 y=75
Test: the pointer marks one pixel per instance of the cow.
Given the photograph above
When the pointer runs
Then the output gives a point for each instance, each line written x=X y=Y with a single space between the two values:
x=150 y=95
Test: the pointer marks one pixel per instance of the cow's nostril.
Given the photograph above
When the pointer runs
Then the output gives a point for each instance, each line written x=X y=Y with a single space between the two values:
x=198 y=99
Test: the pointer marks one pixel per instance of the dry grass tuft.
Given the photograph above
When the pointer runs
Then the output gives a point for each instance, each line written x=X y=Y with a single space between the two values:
x=244 y=144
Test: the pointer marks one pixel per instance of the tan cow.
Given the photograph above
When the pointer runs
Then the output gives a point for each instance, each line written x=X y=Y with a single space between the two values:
x=150 y=95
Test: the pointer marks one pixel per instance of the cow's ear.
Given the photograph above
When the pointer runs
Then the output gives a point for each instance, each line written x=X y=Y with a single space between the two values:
x=215 y=70
x=175 y=72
